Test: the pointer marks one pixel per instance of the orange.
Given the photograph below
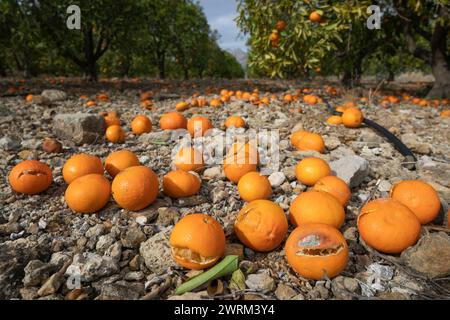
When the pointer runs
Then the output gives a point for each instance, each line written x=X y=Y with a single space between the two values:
x=274 y=37
x=316 y=207
x=235 y=121
x=334 y=120
x=310 y=99
x=135 y=188
x=141 y=124
x=181 y=106
x=111 y=119
x=315 y=17
x=172 y=121
x=445 y=113
x=189 y=159
x=147 y=104
x=419 y=197
x=349 y=104
x=215 y=102
x=305 y=141
x=261 y=225
x=352 y=118
x=237 y=164
x=29 y=98
x=309 y=170
x=115 y=134
x=30 y=177
x=120 y=160
x=388 y=226
x=288 y=98
x=254 y=186
x=334 y=186
x=147 y=95
x=91 y=103
x=280 y=25
x=198 y=125
x=179 y=183
x=197 y=241
x=80 y=165
x=103 y=97
x=316 y=251
x=88 y=194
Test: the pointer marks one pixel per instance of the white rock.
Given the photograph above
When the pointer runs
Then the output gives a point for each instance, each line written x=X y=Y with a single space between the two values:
x=351 y=169
x=276 y=179
x=260 y=282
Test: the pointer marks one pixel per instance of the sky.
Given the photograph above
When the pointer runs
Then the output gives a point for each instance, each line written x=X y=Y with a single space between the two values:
x=221 y=14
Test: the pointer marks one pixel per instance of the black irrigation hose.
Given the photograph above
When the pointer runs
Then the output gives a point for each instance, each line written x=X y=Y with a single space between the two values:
x=410 y=158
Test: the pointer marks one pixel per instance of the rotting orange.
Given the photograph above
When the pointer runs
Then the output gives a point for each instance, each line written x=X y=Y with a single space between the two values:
x=316 y=207
x=88 y=194
x=254 y=186
x=172 y=121
x=179 y=183
x=30 y=177
x=115 y=134
x=334 y=186
x=261 y=225
x=309 y=170
x=419 y=197
x=80 y=165
x=120 y=160
x=197 y=241
x=198 y=125
x=352 y=118
x=305 y=141
x=141 y=124
x=189 y=159
x=235 y=121
x=316 y=251
x=135 y=188
x=334 y=120
x=388 y=226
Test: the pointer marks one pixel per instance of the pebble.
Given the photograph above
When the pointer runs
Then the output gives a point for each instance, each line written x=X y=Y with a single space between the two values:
x=351 y=169
x=276 y=179
x=260 y=282
x=156 y=252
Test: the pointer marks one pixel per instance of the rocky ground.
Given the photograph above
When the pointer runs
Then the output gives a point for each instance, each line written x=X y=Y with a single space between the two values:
x=125 y=255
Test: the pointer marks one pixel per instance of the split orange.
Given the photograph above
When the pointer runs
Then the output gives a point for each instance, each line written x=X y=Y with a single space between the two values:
x=197 y=241
x=30 y=177
x=88 y=194
x=261 y=225
x=316 y=251
x=80 y=165
x=120 y=160
x=135 y=188
x=316 y=207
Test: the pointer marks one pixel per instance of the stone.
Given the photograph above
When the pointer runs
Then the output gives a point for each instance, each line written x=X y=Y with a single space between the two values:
x=132 y=237
x=430 y=256
x=372 y=139
x=331 y=142
x=36 y=272
x=393 y=296
x=284 y=292
x=156 y=253
x=29 y=293
x=213 y=173
x=51 y=285
x=344 y=287
x=135 y=263
x=104 y=242
x=41 y=100
x=202 y=295
x=352 y=169
x=118 y=291
x=236 y=249
x=58 y=259
x=157 y=136
x=350 y=234
x=384 y=186
x=114 y=251
x=53 y=95
x=9 y=143
x=167 y=216
x=289 y=172
x=134 y=276
x=79 y=128
x=92 y=266
x=260 y=281
x=276 y=179
x=218 y=195
x=413 y=142
x=95 y=231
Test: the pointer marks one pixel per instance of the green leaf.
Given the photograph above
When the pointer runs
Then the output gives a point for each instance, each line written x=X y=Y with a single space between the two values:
x=237 y=282
x=227 y=266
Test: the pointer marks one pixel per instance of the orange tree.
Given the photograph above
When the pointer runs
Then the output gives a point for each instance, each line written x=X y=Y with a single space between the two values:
x=290 y=38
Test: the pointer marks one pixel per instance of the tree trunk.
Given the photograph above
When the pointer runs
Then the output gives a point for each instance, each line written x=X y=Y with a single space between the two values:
x=162 y=64
x=440 y=61
x=90 y=68
x=90 y=71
